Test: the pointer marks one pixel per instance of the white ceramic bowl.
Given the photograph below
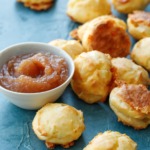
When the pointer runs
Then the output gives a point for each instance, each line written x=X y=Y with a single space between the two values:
x=34 y=100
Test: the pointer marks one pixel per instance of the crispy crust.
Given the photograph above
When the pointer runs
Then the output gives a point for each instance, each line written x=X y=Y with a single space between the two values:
x=106 y=34
x=131 y=104
x=92 y=76
x=38 y=6
x=129 y=116
x=138 y=97
x=140 y=17
x=118 y=39
x=63 y=129
x=82 y=11
x=125 y=70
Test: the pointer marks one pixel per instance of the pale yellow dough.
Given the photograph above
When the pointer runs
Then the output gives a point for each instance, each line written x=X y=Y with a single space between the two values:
x=72 y=47
x=92 y=76
x=139 y=24
x=58 y=123
x=131 y=104
x=141 y=53
x=111 y=140
x=106 y=34
x=127 y=71
x=128 y=6
x=86 y=10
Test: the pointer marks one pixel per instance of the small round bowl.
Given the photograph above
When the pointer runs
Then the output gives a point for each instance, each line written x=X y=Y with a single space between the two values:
x=34 y=100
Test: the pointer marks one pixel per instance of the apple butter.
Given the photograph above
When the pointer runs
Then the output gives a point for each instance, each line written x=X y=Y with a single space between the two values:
x=31 y=73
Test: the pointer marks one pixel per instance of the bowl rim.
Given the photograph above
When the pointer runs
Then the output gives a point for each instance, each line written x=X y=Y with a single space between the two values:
x=70 y=60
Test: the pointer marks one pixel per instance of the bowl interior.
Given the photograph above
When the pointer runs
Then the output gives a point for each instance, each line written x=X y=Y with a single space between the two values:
x=35 y=47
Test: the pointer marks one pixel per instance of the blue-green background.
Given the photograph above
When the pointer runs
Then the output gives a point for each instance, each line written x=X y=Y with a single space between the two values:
x=20 y=24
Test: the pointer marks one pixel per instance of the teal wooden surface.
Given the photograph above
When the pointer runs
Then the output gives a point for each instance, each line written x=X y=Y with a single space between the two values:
x=20 y=24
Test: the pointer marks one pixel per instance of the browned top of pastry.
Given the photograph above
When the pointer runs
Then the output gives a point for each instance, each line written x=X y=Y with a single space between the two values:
x=137 y=96
x=118 y=42
x=140 y=17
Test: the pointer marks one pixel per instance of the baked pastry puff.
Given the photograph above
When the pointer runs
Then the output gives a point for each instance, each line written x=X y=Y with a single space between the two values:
x=92 y=76
x=141 y=53
x=85 y=10
x=139 y=24
x=37 y=5
x=126 y=70
x=131 y=104
x=128 y=6
x=72 y=47
x=111 y=140
x=58 y=123
x=106 y=34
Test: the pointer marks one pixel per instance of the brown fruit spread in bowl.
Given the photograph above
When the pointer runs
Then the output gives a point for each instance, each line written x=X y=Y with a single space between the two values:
x=34 y=72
